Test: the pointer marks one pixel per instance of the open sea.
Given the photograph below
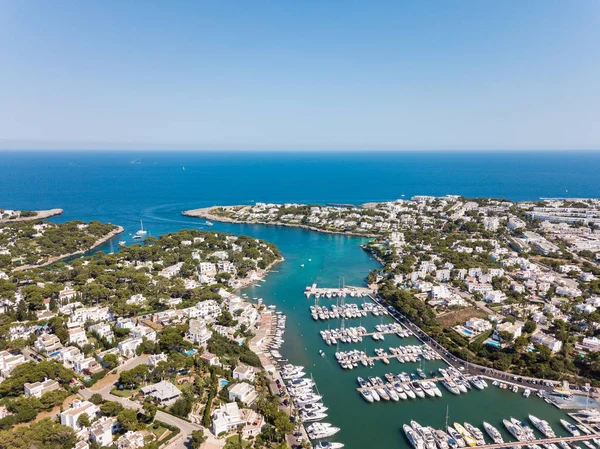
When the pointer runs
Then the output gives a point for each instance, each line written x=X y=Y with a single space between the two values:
x=126 y=187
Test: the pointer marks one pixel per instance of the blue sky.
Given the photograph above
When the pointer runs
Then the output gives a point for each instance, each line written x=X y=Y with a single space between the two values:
x=522 y=74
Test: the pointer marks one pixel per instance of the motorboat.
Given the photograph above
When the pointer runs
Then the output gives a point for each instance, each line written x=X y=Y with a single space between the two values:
x=476 y=433
x=456 y=436
x=367 y=395
x=527 y=431
x=321 y=430
x=515 y=430
x=570 y=428
x=413 y=437
x=494 y=433
x=543 y=426
x=469 y=440
x=328 y=445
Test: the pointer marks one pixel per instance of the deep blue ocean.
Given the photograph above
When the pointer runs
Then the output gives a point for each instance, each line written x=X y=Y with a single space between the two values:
x=124 y=188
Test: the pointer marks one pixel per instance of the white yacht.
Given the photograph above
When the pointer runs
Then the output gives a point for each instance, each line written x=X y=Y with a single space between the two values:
x=456 y=436
x=327 y=445
x=543 y=426
x=415 y=439
x=494 y=433
x=570 y=428
x=312 y=416
x=476 y=433
x=321 y=430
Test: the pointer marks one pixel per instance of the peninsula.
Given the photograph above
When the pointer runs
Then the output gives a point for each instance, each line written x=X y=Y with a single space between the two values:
x=32 y=244
x=10 y=216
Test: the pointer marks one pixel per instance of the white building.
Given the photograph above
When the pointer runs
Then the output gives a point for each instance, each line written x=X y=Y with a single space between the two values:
x=38 y=389
x=69 y=417
x=198 y=332
x=128 y=347
x=141 y=331
x=9 y=361
x=244 y=372
x=547 y=340
x=226 y=418
x=77 y=336
x=243 y=391
x=102 y=431
x=164 y=392
x=494 y=296
x=478 y=325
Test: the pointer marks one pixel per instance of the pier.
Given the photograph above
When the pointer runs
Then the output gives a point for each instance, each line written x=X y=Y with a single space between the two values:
x=431 y=379
x=544 y=441
x=348 y=290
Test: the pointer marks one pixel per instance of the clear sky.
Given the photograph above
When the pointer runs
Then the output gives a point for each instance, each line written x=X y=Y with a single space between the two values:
x=400 y=74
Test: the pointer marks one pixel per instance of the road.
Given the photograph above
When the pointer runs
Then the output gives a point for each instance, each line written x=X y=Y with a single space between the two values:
x=180 y=442
x=521 y=381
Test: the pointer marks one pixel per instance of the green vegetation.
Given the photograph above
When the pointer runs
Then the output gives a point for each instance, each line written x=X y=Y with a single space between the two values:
x=44 y=434
x=221 y=346
x=34 y=242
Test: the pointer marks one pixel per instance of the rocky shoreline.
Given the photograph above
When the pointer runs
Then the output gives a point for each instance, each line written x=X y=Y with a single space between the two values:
x=97 y=243
x=206 y=213
x=40 y=215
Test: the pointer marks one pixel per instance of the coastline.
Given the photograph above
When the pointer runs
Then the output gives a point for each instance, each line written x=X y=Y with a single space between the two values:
x=97 y=243
x=246 y=282
x=206 y=213
x=40 y=215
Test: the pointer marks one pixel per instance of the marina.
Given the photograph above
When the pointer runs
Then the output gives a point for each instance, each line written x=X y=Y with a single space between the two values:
x=313 y=345
x=461 y=435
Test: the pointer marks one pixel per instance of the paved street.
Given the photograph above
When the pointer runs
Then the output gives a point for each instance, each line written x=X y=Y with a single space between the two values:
x=186 y=427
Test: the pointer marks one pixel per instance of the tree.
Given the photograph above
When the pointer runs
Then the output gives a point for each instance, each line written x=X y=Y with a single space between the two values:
x=127 y=419
x=96 y=399
x=506 y=336
x=44 y=434
x=111 y=408
x=198 y=439
x=150 y=410
x=110 y=361
x=83 y=420
x=530 y=326
x=182 y=407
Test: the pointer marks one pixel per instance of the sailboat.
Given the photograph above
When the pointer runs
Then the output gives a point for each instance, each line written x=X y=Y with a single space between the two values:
x=141 y=231
x=112 y=249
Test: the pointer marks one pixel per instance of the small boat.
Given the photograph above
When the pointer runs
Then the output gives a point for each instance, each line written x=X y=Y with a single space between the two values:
x=322 y=353
x=526 y=393
x=122 y=242
x=367 y=396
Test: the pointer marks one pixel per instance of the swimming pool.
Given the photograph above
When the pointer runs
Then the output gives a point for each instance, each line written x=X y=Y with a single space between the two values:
x=223 y=382
x=190 y=352
x=491 y=342
x=467 y=332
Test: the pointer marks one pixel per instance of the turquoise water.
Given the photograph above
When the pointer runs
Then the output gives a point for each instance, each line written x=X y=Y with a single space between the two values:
x=362 y=424
x=108 y=187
